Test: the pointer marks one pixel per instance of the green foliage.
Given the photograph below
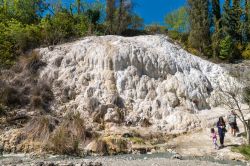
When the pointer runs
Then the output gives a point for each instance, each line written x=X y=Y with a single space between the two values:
x=243 y=149
x=27 y=12
x=199 y=37
x=136 y=22
x=137 y=140
x=24 y=26
x=178 y=20
x=226 y=48
x=156 y=29
x=58 y=28
x=93 y=16
x=246 y=52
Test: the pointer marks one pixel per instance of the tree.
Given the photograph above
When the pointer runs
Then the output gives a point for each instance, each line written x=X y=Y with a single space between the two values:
x=226 y=48
x=217 y=35
x=78 y=2
x=93 y=16
x=235 y=21
x=232 y=99
x=110 y=12
x=226 y=17
x=28 y=11
x=178 y=20
x=124 y=15
x=136 y=22
x=232 y=20
x=199 y=37
x=246 y=25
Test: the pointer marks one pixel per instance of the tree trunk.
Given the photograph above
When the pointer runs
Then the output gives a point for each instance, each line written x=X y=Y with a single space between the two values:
x=248 y=132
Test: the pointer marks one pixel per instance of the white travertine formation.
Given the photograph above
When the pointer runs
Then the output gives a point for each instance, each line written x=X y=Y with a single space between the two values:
x=150 y=76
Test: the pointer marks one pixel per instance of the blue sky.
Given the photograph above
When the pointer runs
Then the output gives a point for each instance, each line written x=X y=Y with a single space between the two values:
x=152 y=11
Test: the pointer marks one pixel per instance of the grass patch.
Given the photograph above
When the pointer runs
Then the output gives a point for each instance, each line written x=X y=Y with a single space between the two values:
x=244 y=150
x=40 y=128
x=116 y=144
x=137 y=140
x=68 y=136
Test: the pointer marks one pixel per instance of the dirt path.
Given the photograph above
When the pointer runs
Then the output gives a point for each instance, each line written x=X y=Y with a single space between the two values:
x=200 y=144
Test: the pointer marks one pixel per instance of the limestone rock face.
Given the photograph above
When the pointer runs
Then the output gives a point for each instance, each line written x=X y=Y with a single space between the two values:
x=148 y=77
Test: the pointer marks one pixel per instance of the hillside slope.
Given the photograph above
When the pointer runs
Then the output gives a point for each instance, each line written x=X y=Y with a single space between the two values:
x=93 y=93
x=148 y=76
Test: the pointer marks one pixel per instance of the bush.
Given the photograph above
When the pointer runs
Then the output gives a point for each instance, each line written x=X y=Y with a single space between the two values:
x=156 y=29
x=68 y=136
x=40 y=128
x=16 y=38
x=34 y=63
x=246 y=52
x=137 y=140
x=226 y=48
x=62 y=27
x=42 y=96
x=9 y=96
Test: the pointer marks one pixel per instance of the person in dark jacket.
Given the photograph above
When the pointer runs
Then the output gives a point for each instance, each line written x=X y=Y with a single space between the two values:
x=221 y=130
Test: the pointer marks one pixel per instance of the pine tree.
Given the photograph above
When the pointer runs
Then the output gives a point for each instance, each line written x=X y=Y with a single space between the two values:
x=216 y=37
x=226 y=16
x=216 y=10
x=232 y=20
x=236 y=24
x=199 y=37
x=245 y=26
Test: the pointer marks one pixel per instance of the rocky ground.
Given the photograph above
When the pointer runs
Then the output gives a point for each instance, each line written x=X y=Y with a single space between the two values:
x=121 y=162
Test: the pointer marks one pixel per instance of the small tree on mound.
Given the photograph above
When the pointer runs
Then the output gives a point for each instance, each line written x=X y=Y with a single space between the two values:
x=233 y=99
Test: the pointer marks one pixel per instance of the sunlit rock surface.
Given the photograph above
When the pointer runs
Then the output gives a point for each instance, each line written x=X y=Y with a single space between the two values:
x=144 y=77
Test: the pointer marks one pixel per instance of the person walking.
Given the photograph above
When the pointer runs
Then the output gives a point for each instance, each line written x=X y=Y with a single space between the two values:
x=221 y=125
x=214 y=138
x=232 y=122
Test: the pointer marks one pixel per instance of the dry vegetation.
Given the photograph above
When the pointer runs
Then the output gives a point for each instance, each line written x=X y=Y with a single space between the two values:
x=68 y=136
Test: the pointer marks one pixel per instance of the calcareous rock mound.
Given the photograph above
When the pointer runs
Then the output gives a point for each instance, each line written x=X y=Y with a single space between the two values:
x=143 y=80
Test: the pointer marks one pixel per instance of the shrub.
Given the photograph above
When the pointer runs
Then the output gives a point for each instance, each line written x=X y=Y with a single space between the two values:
x=156 y=29
x=40 y=128
x=174 y=35
x=33 y=62
x=68 y=136
x=42 y=96
x=10 y=96
x=102 y=147
x=226 y=48
x=116 y=144
x=58 y=28
x=246 y=52
x=137 y=140
x=15 y=39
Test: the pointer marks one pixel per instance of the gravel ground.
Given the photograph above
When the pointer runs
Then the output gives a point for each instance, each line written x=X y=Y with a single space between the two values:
x=114 y=162
x=124 y=160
